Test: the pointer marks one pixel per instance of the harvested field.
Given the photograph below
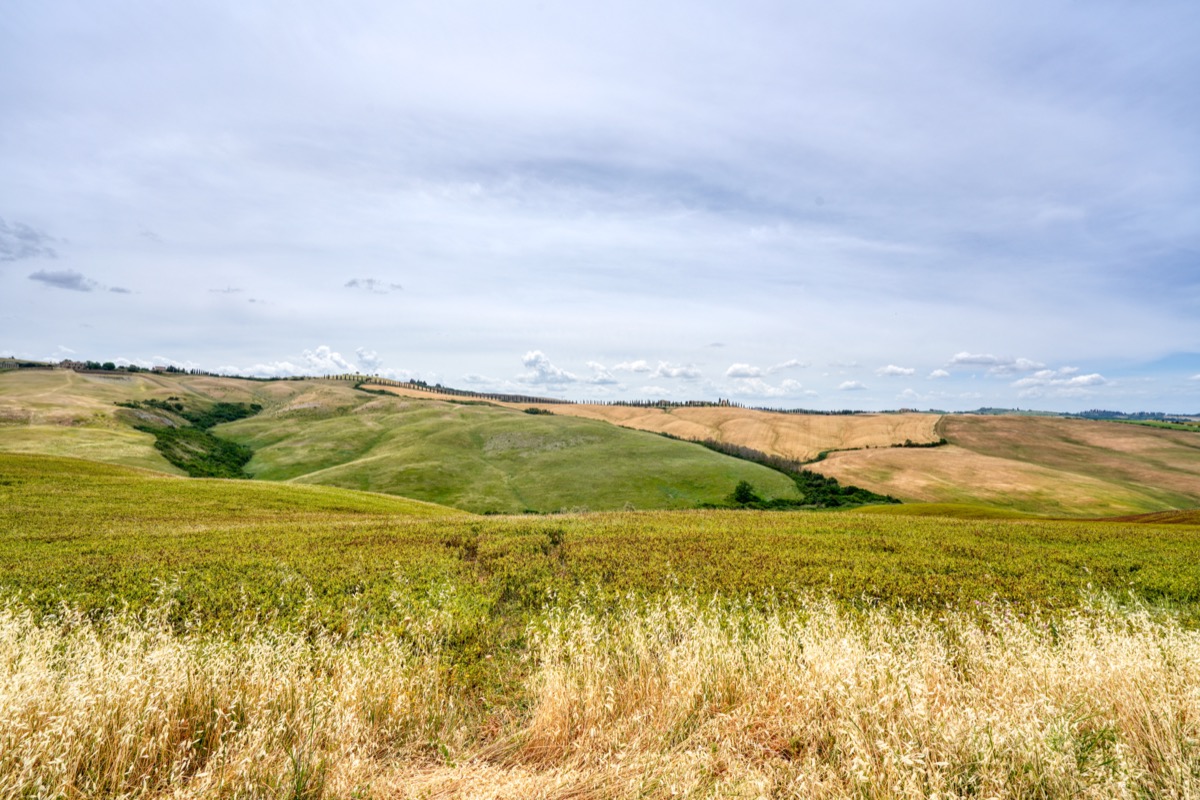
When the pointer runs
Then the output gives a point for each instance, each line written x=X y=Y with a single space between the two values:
x=1039 y=465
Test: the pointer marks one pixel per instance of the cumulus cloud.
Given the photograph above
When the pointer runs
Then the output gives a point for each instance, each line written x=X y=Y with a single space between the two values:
x=997 y=365
x=743 y=371
x=750 y=371
x=686 y=372
x=939 y=373
x=322 y=360
x=120 y=290
x=373 y=285
x=663 y=370
x=325 y=360
x=64 y=279
x=757 y=387
x=601 y=375
x=542 y=372
x=368 y=360
x=851 y=386
x=20 y=241
x=1059 y=383
x=891 y=370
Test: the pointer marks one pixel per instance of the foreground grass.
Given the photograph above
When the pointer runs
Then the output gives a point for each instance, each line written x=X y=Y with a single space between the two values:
x=98 y=538
x=202 y=638
x=677 y=697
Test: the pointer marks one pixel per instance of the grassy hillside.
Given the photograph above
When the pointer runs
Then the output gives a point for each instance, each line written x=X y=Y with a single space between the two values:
x=795 y=436
x=476 y=457
x=486 y=458
x=66 y=413
x=1037 y=465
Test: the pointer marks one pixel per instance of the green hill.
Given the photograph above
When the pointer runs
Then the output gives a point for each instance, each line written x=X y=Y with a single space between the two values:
x=486 y=458
x=476 y=457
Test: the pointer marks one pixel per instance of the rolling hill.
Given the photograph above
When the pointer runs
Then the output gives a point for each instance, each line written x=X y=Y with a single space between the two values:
x=802 y=437
x=492 y=457
x=477 y=457
x=1039 y=465
x=485 y=458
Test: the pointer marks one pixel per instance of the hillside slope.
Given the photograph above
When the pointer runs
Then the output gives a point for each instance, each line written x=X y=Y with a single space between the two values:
x=796 y=436
x=72 y=414
x=1040 y=465
x=477 y=457
x=485 y=458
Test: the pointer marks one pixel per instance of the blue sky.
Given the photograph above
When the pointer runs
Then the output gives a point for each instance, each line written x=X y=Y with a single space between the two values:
x=853 y=205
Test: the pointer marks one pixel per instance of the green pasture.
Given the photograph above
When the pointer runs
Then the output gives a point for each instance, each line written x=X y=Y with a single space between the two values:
x=103 y=537
x=489 y=459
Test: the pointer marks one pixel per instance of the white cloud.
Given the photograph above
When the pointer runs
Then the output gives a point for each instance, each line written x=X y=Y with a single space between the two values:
x=323 y=360
x=1059 y=383
x=634 y=366
x=368 y=360
x=939 y=373
x=743 y=371
x=891 y=370
x=601 y=375
x=686 y=372
x=542 y=372
x=851 y=386
x=652 y=392
x=757 y=387
x=793 y=363
x=997 y=365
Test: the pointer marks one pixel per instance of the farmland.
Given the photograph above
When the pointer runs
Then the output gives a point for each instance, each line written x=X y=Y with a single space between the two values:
x=473 y=456
x=265 y=639
x=296 y=636
x=489 y=457
x=1039 y=465
x=802 y=437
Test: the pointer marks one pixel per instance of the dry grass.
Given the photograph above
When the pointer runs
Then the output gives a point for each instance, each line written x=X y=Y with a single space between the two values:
x=797 y=436
x=129 y=709
x=679 y=698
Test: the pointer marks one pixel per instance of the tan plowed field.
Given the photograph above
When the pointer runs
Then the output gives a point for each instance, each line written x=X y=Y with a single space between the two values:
x=1041 y=465
x=799 y=436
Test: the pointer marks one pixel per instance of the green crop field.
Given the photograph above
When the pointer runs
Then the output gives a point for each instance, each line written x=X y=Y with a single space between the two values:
x=99 y=536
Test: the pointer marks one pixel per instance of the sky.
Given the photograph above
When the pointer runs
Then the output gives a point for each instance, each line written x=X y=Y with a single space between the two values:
x=857 y=205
